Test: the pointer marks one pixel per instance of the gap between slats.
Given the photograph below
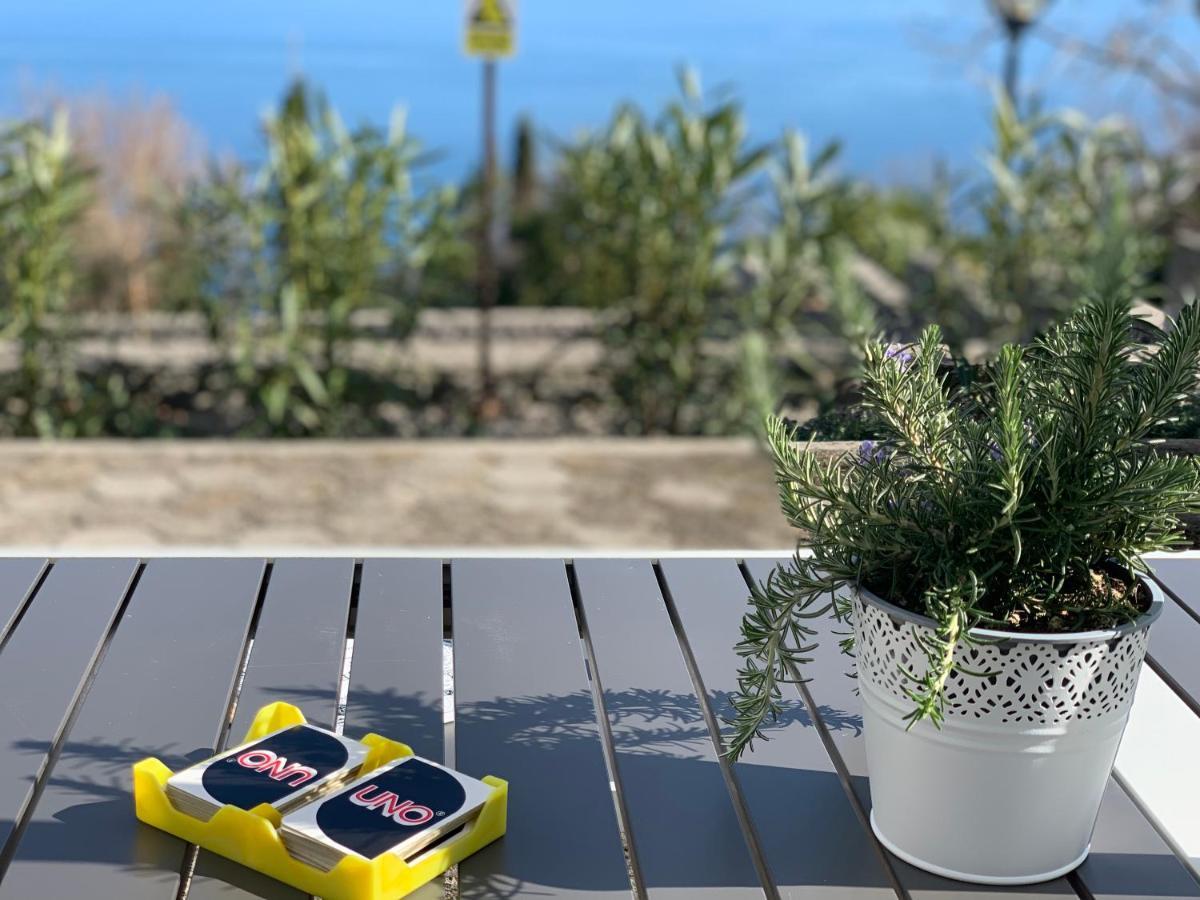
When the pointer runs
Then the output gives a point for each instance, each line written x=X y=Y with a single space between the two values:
x=450 y=877
x=343 y=689
x=1179 y=601
x=10 y=628
x=64 y=729
x=1079 y=887
x=839 y=764
x=1148 y=814
x=187 y=869
x=1178 y=689
x=636 y=881
x=188 y=866
x=1193 y=703
x=835 y=758
x=741 y=811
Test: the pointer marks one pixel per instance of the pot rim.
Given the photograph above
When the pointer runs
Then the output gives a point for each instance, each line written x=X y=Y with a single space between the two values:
x=1145 y=620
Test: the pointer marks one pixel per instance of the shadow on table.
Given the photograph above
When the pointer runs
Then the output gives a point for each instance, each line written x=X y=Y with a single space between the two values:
x=560 y=839
x=562 y=835
x=100 y=829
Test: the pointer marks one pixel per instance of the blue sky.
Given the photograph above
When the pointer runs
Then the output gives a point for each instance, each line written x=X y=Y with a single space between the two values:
x=864 y=71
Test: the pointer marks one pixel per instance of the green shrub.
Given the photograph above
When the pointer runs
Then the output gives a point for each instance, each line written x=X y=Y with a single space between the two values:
x=1052 y=179
x=648 y=211
x=1065 y=207
x=727 y=276
x=43 y=194
x=800 y=300
x=284 y=258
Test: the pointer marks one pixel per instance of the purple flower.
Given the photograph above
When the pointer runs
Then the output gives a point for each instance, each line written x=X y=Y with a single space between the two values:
x=902 y=355
x=994 y=450
x=865 y=451
x=871 y=452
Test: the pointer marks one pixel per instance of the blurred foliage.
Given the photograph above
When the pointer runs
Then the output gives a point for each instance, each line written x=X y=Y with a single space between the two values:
x=284 y=258
x=43 y=194
x=649 y=210
x=1004 y=255
x=668 y=225
x=729 y=279
x=1053 y=178
x=800 y=299
x=710 y=260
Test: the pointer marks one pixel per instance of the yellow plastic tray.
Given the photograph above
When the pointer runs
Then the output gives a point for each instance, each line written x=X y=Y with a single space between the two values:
x=250 y=837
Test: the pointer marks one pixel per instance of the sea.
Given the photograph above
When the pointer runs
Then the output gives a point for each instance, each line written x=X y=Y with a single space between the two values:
x=905 y=85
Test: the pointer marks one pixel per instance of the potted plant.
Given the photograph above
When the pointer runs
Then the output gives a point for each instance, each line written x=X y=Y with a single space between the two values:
x=986 y=553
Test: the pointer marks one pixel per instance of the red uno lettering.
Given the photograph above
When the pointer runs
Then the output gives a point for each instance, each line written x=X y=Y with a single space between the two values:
x=389 y=805
x=276 y=767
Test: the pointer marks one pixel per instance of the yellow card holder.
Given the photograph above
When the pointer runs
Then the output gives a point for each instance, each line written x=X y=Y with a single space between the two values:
x=251 y=837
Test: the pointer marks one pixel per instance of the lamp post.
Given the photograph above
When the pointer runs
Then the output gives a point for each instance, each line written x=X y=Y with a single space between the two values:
x=489 y=284
x=1016 y=16
x=491 y=35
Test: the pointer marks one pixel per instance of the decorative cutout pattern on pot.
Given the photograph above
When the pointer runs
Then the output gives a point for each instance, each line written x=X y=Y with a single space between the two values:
x=1037 y=683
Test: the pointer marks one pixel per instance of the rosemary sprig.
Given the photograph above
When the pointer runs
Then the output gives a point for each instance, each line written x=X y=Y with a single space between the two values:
x=993 y=506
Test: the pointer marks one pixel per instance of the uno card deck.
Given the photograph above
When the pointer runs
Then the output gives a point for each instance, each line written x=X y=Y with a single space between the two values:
x=400 y=809
x=429 y=808
x=280 y=769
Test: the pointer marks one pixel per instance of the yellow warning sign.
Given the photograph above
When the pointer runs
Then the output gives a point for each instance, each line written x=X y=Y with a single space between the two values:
x=491 y=28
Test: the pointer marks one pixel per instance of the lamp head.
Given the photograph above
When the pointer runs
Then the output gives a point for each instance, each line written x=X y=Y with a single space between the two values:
x=1017 y=15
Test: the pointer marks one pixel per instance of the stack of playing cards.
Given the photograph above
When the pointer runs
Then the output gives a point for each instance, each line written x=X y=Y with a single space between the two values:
x=281 y=769
x=401 y=809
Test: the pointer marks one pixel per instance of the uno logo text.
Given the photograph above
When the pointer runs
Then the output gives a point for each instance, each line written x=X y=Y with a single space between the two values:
x=389 y=805
x=276 y=767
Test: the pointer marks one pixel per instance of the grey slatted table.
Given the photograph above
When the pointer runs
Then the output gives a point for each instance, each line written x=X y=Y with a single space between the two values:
x=595 y=686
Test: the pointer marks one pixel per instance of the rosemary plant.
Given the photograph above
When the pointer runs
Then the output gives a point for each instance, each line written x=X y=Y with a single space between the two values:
x=998 y=506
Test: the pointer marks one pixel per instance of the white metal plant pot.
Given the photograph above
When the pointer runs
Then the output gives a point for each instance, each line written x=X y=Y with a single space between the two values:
x=1008 y=789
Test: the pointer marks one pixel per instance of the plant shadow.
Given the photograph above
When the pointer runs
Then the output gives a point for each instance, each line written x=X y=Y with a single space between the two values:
x=540 y=744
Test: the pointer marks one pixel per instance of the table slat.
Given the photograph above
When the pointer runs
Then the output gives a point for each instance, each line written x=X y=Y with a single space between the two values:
x=297 y=657
x=840 y=709
x=1181 y=577
x=300 y=641
x=396 y=671
x=17 y=578
x=812 y=845
x=1157 y=764
x=524 y=711
x=161 y=690
x=44 y=663
x=1128 y=859
x=683 y=823
x=1175 y=637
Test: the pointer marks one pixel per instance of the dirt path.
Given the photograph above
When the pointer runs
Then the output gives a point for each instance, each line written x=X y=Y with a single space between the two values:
x=265 y=496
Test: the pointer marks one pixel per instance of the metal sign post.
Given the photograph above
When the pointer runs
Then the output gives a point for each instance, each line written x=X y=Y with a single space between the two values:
x=490 y=34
